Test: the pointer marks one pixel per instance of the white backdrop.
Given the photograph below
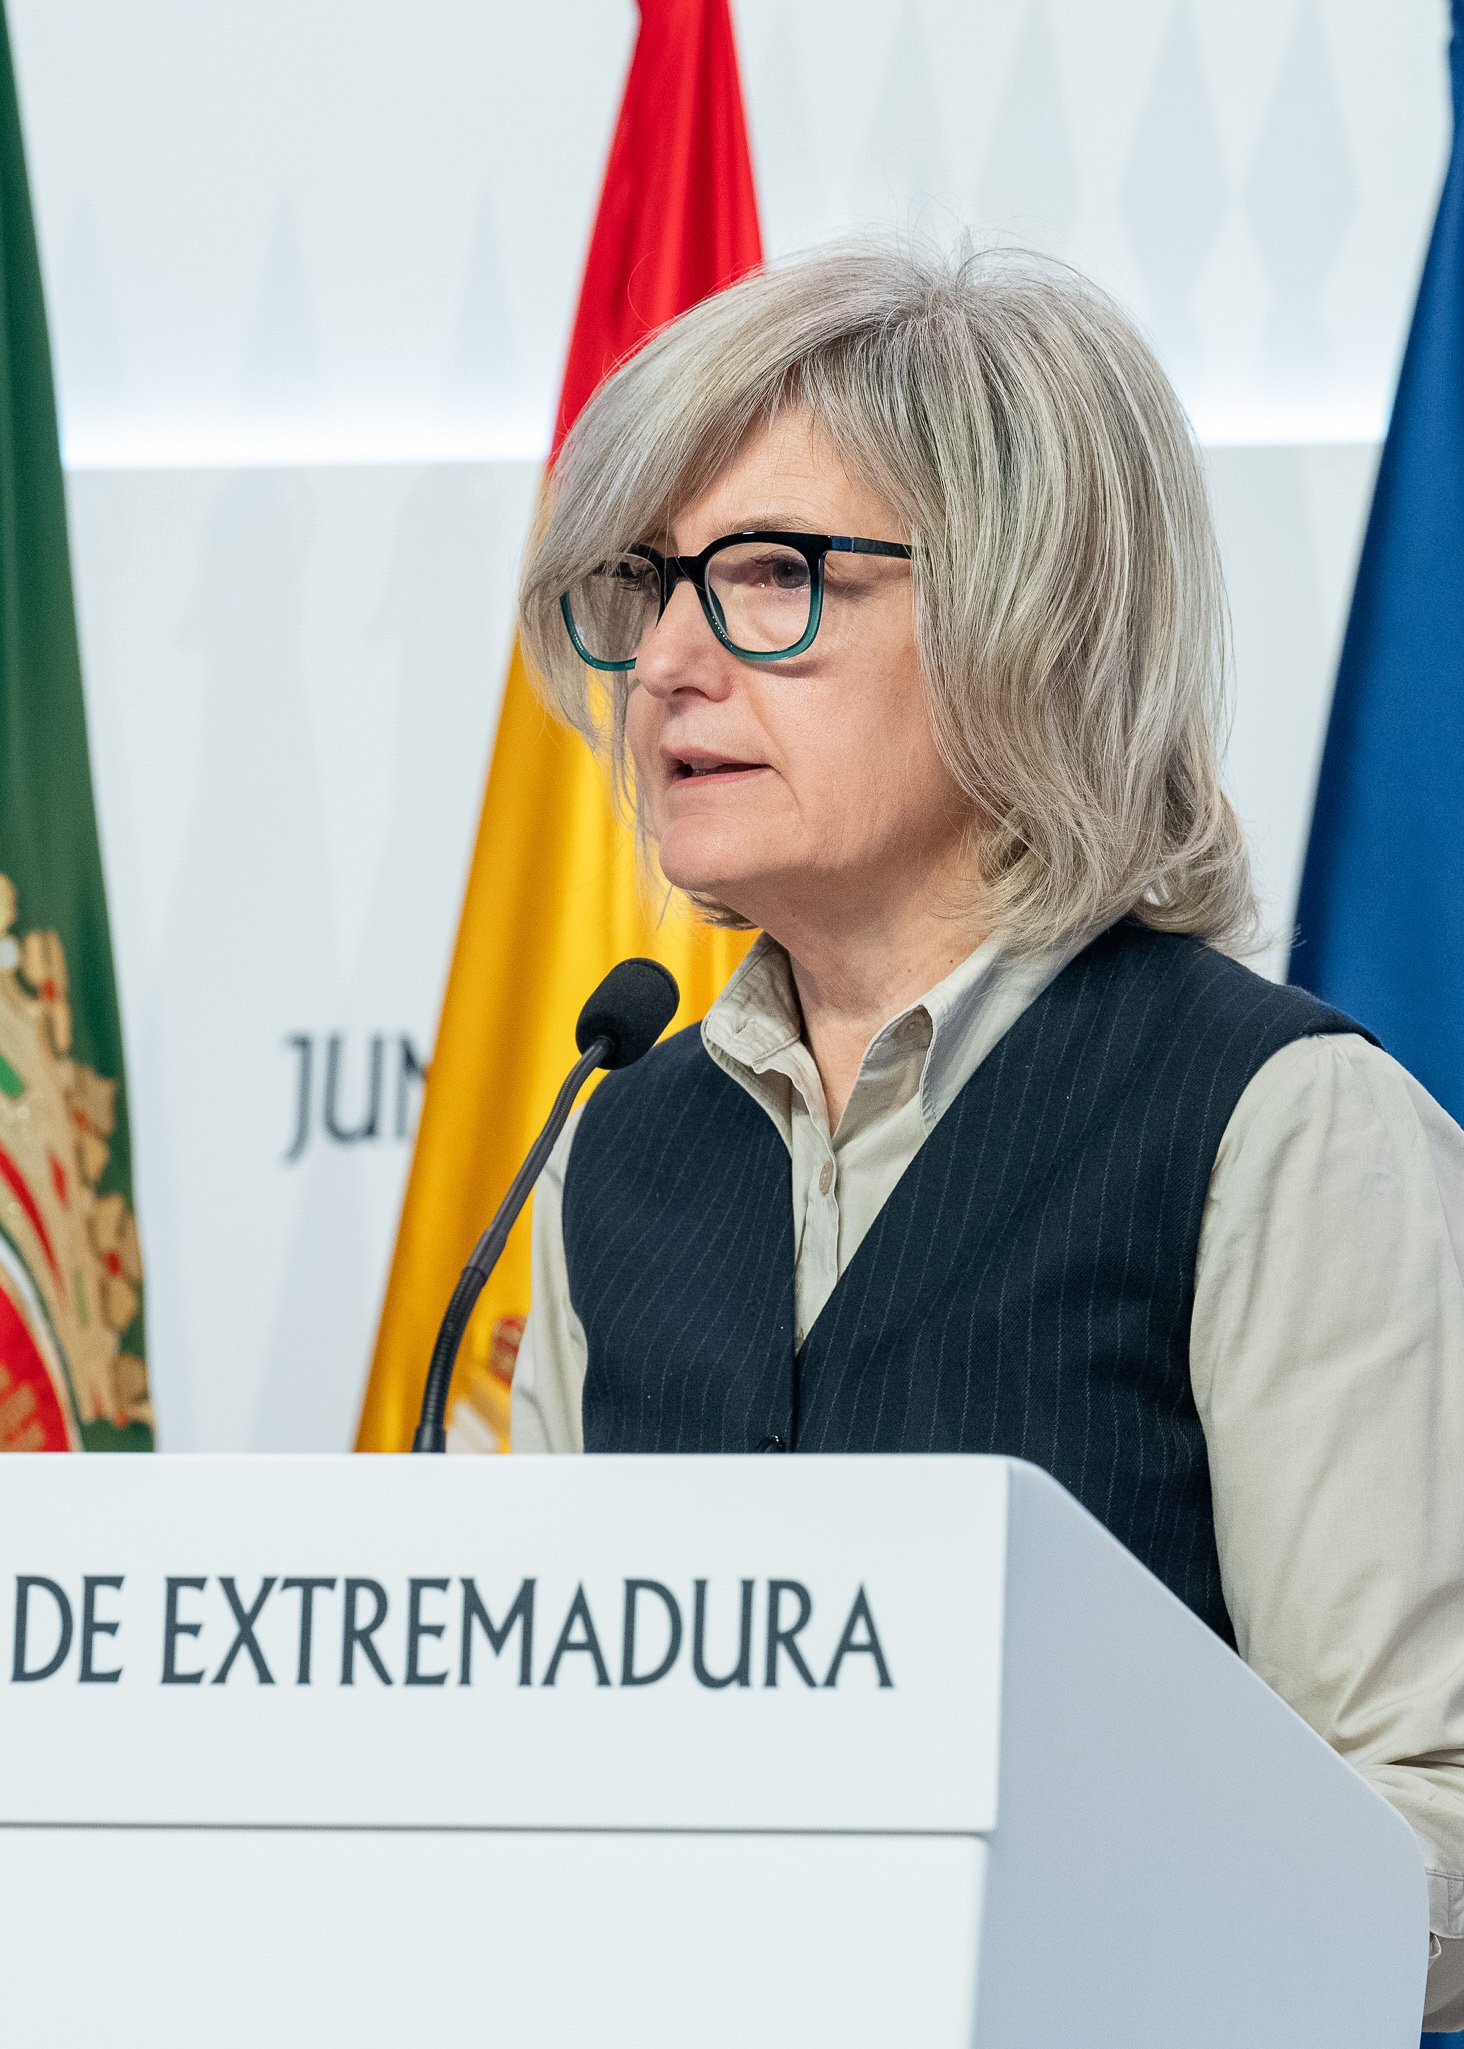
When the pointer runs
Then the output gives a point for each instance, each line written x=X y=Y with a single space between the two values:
x=311 y=266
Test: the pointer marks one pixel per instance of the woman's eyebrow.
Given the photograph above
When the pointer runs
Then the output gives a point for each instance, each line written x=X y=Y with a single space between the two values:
x=769 y=522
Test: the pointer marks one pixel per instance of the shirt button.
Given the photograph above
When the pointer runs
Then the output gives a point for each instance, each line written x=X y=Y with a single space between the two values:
x=825 y=1177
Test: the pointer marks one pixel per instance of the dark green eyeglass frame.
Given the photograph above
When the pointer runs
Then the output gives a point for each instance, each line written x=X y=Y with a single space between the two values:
x=692 y=569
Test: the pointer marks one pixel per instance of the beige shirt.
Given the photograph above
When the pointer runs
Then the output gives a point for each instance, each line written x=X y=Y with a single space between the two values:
x=1326 y=1354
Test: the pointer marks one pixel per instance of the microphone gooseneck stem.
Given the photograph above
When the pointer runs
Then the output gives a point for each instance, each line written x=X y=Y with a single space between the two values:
x=431 y=1430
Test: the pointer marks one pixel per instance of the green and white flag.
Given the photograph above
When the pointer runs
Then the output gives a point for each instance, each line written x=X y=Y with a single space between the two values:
x=72 y=1371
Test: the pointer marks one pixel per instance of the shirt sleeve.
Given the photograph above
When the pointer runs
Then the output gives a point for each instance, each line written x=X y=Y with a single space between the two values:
x=1327 y=1358
x=549 y=1376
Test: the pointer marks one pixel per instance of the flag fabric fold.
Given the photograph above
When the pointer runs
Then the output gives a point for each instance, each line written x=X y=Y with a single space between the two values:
x=72 y=1372
x=1380 y=921
x=553 y=898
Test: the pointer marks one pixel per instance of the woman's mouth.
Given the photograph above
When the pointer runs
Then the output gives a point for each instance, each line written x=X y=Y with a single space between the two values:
x=710 y=768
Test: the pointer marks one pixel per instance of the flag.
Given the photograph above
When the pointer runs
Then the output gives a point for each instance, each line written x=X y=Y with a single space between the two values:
x=1380 y=922
x=553 y=897
x=71 y=1337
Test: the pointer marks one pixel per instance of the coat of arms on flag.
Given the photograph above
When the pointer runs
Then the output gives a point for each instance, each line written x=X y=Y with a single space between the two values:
x=70 y=1270
x=72 y=1376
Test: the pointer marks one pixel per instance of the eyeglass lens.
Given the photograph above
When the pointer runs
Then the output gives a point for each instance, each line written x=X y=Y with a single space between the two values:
x=762 y=592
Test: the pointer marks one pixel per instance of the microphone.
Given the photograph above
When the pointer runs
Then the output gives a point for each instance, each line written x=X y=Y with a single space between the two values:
x=622 y=1020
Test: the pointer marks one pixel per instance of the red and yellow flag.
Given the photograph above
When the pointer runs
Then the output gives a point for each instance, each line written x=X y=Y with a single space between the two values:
x=553 y=898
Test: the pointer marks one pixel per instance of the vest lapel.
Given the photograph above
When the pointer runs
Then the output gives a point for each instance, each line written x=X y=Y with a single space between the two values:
x=1003 y=1150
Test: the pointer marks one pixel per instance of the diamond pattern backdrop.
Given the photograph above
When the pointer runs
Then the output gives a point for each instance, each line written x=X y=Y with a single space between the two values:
x=311 y=270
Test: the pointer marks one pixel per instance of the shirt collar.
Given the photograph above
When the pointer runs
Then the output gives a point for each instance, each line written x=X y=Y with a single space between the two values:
x=756 y=1019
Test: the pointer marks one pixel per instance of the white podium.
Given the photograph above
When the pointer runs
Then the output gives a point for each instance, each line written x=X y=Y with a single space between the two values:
x=654 y=1752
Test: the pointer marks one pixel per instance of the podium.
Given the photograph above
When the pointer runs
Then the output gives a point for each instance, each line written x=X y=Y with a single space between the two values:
x=654 y=1751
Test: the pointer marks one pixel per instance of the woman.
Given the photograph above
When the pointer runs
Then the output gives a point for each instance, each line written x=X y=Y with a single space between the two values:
x=891 y=588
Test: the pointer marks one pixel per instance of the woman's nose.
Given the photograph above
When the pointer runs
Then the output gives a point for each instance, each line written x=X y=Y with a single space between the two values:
x=682 y=653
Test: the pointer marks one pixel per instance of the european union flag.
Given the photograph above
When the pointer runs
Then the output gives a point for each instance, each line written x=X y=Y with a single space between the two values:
x=1381 y=917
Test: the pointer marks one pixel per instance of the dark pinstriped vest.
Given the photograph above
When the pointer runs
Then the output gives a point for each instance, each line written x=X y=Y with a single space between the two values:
x=1027 y=1288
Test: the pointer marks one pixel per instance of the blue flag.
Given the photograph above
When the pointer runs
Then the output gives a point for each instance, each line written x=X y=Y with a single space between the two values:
x=1380 y=923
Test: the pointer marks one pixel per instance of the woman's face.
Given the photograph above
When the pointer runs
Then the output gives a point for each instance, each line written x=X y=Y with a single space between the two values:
x=807 y=788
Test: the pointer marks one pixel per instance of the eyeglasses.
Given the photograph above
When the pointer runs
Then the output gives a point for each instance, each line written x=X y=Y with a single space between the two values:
x=762 y=594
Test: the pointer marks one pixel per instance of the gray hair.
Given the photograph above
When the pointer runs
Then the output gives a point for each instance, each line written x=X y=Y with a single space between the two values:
x=1069 y=607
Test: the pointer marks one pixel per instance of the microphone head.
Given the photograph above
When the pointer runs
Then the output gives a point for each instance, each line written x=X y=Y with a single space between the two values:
x=631 y=1008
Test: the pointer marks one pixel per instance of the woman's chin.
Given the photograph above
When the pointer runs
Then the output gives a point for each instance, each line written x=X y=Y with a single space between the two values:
x=709 y=867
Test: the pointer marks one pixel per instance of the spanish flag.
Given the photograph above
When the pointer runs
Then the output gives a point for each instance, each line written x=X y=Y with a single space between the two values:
x=553 y=897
